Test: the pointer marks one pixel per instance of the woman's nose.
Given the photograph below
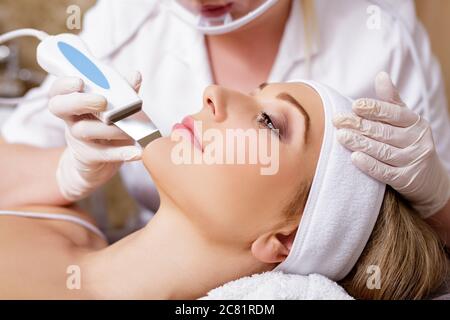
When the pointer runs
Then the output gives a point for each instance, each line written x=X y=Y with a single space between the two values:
x=214 y=100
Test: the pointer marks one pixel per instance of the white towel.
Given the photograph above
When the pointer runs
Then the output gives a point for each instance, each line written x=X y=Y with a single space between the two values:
x=279 y=286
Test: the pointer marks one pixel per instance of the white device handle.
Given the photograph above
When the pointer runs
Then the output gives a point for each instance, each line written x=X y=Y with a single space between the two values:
x=67 y=55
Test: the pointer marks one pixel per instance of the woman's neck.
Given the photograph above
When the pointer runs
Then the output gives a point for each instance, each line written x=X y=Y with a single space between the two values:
x=167 y=259
x=249 y=52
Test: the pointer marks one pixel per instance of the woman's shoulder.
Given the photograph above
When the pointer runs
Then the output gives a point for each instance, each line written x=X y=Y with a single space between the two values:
x=25 y=222
x=42 y=255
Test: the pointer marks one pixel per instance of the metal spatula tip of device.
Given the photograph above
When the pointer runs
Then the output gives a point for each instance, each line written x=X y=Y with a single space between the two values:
x=143 y=132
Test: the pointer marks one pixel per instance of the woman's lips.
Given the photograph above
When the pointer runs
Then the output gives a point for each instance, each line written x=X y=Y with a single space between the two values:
x=188 y=124
x=215 y=11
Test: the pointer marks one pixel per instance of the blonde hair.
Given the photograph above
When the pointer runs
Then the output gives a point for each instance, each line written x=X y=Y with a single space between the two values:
x=408 y=253
x=410 y=256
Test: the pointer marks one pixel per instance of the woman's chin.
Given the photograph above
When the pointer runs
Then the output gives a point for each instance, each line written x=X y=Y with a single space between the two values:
x=156 y=154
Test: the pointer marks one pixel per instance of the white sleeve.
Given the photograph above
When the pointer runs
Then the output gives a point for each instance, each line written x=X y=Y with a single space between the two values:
x=31 y=123
x=407 y=76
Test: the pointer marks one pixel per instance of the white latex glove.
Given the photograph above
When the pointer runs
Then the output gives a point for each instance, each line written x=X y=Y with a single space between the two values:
x=394 y=145
x=95 y=151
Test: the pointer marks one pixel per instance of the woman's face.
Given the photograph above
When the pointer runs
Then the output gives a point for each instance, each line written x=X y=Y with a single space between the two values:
x=233 y=200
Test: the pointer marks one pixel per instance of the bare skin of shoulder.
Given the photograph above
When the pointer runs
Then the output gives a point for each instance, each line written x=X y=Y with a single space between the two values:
x=37 y=241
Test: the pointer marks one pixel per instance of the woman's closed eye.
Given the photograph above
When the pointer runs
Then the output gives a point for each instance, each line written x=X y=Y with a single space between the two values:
x=266 y=121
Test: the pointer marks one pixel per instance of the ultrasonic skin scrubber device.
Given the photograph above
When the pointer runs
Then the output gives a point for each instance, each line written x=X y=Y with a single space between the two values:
x=67 y=55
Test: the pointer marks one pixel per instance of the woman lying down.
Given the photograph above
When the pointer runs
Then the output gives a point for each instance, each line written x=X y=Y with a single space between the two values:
x=217 y=223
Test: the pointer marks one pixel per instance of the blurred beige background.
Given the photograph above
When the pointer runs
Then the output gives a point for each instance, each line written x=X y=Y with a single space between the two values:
x=50 y=15
x=435 y=16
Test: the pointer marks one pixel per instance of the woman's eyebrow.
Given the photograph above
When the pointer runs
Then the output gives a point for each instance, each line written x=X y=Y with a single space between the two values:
x=290 y=99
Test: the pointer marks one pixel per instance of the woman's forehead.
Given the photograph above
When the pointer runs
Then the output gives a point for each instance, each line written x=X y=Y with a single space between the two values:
x=303 y=93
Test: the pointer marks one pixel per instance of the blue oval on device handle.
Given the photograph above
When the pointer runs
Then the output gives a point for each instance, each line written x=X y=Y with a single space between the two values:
x=84 y=65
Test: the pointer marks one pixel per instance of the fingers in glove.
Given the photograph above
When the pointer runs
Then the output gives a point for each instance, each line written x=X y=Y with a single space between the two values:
x=119 y=143
x=376 y=169
x=378 y=150
x=106 y=153
x=66 y=85
x=390 y=113
x=382 y=132
x=386 y=90
x=75 y=104
x=96 y=130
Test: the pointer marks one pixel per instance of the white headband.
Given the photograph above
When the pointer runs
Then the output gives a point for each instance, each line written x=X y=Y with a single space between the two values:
x=342 y=207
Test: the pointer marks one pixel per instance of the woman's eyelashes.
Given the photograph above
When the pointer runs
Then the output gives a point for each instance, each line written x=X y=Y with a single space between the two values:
x=266 y=121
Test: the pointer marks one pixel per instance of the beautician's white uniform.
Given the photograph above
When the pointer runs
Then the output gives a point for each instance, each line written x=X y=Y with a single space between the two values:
x=139 y=35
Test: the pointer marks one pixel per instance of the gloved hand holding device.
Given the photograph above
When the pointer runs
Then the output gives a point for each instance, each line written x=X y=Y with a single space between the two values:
x=394 y=145
x=95 y=151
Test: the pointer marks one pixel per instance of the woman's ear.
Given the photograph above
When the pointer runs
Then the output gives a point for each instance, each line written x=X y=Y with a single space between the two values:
x=274 y=247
